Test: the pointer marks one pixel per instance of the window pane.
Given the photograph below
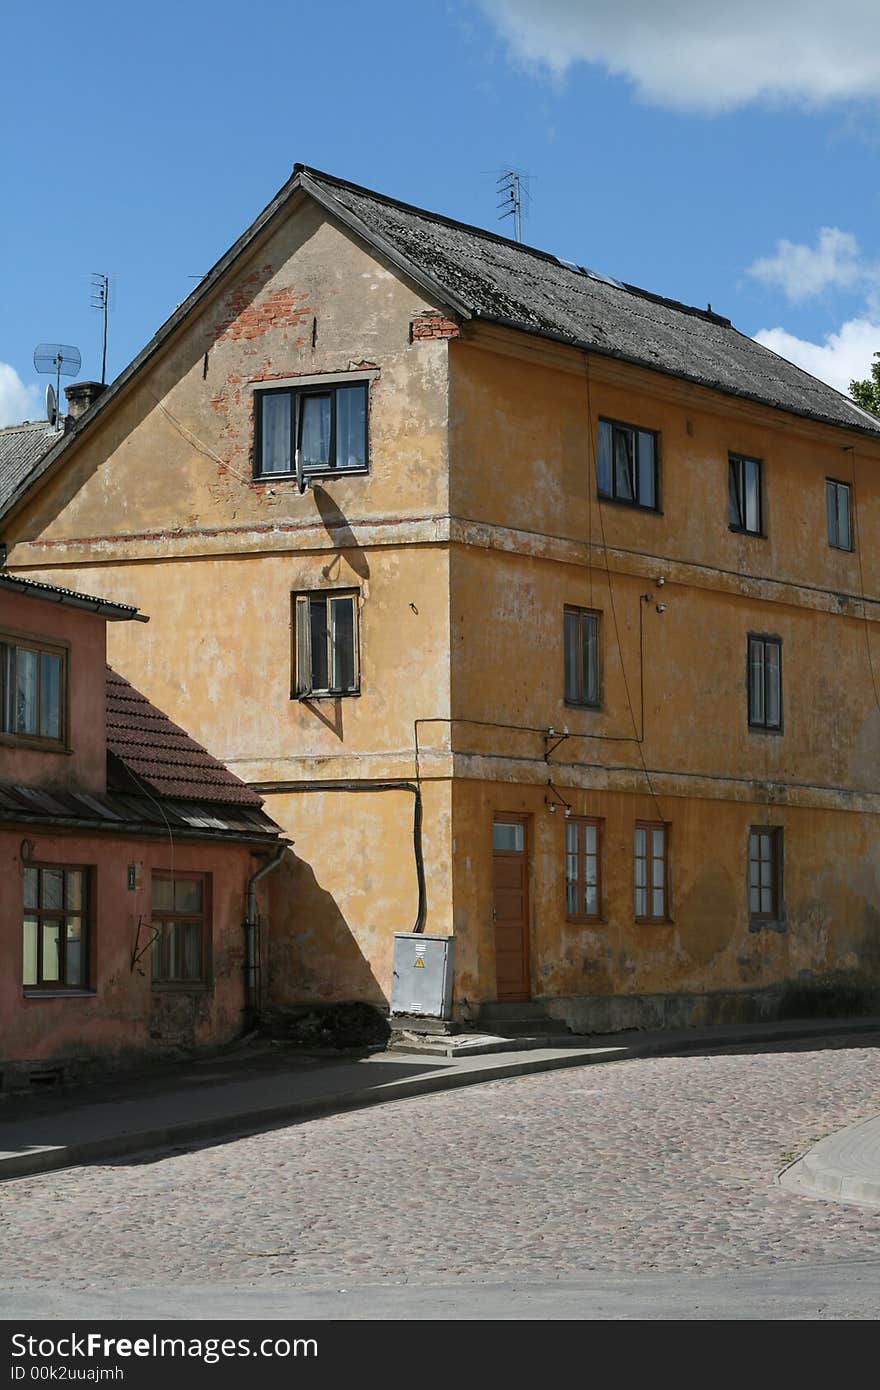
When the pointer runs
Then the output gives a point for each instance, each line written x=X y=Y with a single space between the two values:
x=342 y=643
x=641 y=843
x=766 y=901
x=844 y=530
x=772 y=685
x=192 y=951
x=831 y=511
x=162 y=891
x=754 y=901
x=752 y=471
x=623 y=463
x=31 y=885
x=51 y=932
x=734 y=494
x=591 y=900
x=647 y=488
x=29 y=969
x=50 y=695
x=7 y=687
x=156 y=952
x=73 y=889
x=658 y=838
x=351 y=426
x=314 y=430
x=318 y=617
x=172 y=964
x=571 y=628
x=658 y=908
x=26 y=691
x=74 y=961
x=603 y=464
x=276 y=455
x=641 y=902
x=590 y=656
x=766 y=874
x=188 y=895
x=507 y=836
x=641 y=871
x=756 y=682
x=52 y=887
x=571 y=904
x=589 y=832
x=658 y=872
x=571 y=837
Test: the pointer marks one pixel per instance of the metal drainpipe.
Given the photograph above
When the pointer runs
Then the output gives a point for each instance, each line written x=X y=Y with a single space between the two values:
x=250 y=932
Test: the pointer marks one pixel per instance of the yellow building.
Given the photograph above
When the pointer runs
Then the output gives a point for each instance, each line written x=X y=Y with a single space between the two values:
x=569 y=577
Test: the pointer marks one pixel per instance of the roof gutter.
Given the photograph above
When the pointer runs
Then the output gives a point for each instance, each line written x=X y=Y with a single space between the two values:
x=115 y=612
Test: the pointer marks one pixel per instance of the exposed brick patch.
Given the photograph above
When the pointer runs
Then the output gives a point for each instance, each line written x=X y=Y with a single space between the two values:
x=432 y=324
x=248 y=313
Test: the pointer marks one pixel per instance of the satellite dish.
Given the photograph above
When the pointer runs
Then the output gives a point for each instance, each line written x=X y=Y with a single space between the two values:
x=51 y=404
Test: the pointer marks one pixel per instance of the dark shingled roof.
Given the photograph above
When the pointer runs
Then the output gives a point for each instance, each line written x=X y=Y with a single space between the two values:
x=21 y=448
x=149 y=749
x=505 y=282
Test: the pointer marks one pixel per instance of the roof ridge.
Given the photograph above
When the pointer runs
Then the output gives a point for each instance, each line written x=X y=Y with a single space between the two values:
x=573 y=267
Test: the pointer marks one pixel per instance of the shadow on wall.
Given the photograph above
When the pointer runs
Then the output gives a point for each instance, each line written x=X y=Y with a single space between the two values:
x=312 y=954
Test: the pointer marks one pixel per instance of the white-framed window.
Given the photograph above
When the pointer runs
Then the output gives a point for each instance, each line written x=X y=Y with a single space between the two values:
x=325 y=643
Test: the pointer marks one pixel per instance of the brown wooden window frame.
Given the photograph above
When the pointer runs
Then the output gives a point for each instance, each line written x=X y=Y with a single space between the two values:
x=584 y=618
x=607 y=480
x=582 y=881
x=303 y=653
x=20 y=641
x=772 y=836
x=60 y=914
x=161 y=918
x=757 y=709
x=833 y=487
x=650 y=886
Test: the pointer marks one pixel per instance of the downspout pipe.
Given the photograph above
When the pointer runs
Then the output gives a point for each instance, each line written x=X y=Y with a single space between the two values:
x=250 y=932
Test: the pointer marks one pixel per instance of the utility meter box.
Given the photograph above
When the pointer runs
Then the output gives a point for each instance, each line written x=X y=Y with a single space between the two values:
x=422 y=982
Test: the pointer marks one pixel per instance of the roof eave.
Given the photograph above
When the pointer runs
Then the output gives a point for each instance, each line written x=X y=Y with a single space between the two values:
x=583 y=345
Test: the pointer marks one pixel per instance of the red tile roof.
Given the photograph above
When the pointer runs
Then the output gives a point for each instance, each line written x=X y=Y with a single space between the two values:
x=159 y=754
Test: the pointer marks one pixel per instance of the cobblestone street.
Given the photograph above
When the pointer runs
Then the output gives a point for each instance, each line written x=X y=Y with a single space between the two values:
x=663 y=1164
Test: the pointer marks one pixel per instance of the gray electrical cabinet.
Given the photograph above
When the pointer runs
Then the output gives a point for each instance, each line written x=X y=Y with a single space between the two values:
x=422 y=982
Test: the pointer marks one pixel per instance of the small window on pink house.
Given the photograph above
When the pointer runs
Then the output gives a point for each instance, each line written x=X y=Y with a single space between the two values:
x=32 y=691
x=56 y=927
x=181 y=928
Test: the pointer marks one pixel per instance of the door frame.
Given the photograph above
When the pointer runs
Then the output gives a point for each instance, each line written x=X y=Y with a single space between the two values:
x=524 y=819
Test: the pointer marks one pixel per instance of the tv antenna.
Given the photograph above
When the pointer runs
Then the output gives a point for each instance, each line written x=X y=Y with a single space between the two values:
x=61 y=359
x=512 y=186
x=101 y=301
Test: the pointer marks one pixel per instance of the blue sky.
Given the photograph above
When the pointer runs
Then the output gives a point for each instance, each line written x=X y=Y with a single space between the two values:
x=706 y=152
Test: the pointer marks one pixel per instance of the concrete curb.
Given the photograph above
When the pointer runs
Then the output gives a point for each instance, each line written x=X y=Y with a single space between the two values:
x=242 y=1123
x=844 y=1167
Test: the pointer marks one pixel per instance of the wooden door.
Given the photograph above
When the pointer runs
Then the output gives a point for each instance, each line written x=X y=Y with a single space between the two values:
x=510 y=883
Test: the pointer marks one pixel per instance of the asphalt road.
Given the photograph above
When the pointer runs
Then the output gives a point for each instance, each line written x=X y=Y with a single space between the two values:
x=643 y=1188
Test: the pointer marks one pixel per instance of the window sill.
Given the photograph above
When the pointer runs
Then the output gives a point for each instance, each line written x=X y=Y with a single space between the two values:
x=768 y=924
x=844 y=549
x=655 y=921
x=315 y=695
x=44 y=992
x=580 y=704
x=742 y=531
x=632 y=506
x=181 y=986
x=587 y=921
x=36 y=745
x=309 y=477
x=766 y=729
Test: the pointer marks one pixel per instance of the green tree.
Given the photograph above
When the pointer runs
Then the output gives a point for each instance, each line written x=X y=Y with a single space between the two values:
x=867 y=393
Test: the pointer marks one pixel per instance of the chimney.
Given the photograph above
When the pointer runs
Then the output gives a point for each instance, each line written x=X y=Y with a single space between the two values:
x=80 y=396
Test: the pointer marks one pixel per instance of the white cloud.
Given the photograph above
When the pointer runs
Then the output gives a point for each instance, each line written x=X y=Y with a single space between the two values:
x=843 y=357
x=17 y=401
x=801 y=271
x=704 y=56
